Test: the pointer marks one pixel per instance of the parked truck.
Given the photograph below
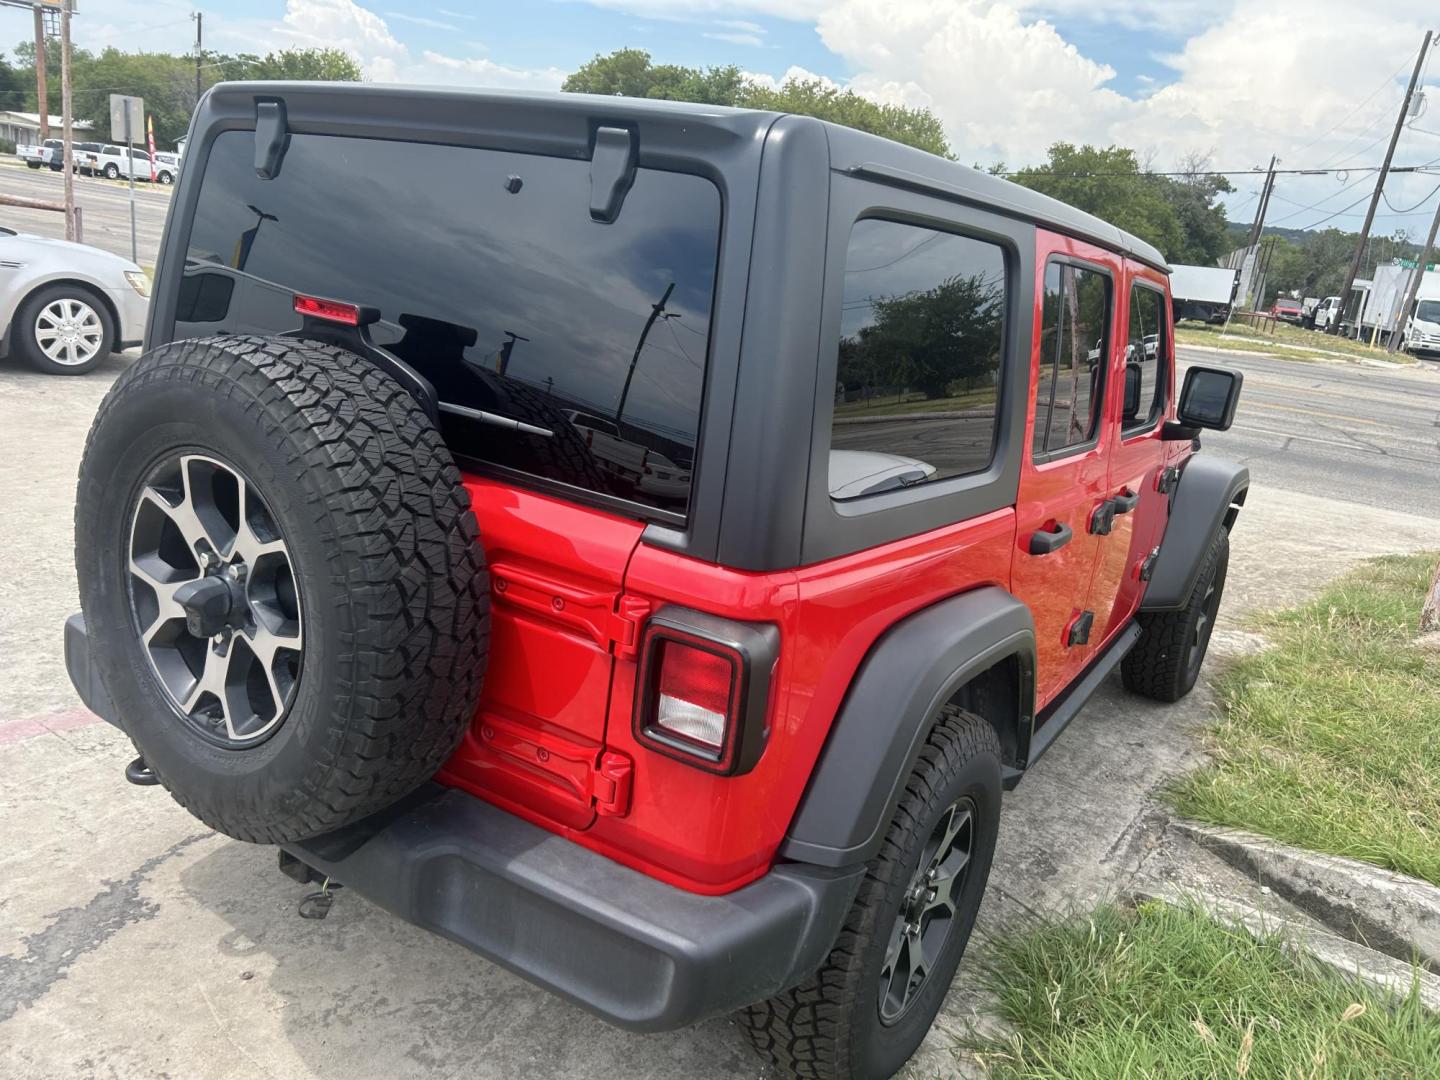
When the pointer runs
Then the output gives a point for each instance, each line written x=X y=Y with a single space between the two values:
x=1382 y=313
x=50 y=153
x=1204 y=293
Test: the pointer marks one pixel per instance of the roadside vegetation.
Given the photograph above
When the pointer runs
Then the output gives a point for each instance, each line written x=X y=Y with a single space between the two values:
x=1290 y=342
x=1330 y=738
x=1164 y=992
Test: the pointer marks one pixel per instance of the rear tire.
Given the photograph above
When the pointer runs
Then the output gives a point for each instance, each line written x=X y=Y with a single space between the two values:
x=862 y=1015
x=384 y=587
x=1165 y=662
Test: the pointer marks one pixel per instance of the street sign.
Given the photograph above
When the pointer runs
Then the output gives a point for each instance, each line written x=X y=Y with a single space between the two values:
x=123 y=107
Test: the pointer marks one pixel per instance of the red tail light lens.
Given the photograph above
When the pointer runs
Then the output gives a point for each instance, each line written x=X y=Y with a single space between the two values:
x=703 y=691
x=329 y=310
x=694 y=691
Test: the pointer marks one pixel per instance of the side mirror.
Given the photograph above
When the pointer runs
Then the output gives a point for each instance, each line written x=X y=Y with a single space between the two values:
x=1209 y=397
x=1132 y=390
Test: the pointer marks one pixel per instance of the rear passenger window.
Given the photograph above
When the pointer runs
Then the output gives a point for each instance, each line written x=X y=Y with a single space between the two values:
x=922 y=328
x=1147 y=359
x=1073 y=346
x=492 y=281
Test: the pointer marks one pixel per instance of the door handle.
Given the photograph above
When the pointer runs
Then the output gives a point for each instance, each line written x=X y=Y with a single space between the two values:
x=1043 y=542
x=1126 y=501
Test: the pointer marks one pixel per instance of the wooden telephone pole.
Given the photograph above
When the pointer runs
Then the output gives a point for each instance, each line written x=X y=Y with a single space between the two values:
x=1334 y=327
x=40 y=89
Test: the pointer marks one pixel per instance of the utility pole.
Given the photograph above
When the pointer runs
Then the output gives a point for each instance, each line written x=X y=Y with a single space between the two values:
x=1334 y=327
x=1259 y=224
x=1415 y=279
x=40 y=88
x=67 y=115
x=656 y=310
x=199 y=17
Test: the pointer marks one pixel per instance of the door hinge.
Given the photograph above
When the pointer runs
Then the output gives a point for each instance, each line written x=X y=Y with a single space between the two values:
x=1079 y=633
x=1166 y=479
x=1102 y=518
x=578 y=767
x=1148 y=566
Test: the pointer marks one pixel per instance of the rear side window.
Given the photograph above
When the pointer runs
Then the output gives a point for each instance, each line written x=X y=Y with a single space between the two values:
x=1147 y=358
x=921 y=334
x=1074 y=343
x=494 y=283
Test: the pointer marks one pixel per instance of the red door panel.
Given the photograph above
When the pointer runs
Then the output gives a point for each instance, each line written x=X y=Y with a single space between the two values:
x=556 y=571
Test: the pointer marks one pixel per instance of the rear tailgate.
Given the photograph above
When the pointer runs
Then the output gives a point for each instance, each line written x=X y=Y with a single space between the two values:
x=537 y=742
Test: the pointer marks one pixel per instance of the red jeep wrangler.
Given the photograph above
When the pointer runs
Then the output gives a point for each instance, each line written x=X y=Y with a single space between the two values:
x=636 y=541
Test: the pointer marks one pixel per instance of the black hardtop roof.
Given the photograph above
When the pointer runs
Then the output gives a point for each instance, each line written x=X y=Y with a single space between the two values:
x=851 y=151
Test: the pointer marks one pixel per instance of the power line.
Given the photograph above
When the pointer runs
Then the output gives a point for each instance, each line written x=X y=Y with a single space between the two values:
x=1337 y=213
x=1368 y=98
x=1412 y=209
x=1225 y=172
x=1322 y=202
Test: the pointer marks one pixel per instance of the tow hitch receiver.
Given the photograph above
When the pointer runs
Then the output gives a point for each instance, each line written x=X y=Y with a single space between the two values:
x=139 y=772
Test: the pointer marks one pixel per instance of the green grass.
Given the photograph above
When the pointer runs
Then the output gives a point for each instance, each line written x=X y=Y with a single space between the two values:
x=1289 y=342
x=1170 y=994
x=1330 y=740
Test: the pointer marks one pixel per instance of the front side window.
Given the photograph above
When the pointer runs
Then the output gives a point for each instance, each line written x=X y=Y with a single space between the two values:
x=1428 y=311
x=1147 y=359
x=493 y=281
x=922 y=331
x=1074 y=340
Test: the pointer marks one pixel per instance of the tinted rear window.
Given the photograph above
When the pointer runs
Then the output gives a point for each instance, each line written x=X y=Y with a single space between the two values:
x=515 y=303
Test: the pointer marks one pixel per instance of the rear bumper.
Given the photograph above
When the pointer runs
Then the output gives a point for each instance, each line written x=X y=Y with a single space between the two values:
x=641 y=954
x=638 y=952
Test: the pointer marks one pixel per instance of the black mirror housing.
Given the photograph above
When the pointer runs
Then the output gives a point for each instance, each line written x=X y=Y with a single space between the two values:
x=1209 y=397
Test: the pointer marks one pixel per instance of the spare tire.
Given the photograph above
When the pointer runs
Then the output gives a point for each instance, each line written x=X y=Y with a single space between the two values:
x=282 y=580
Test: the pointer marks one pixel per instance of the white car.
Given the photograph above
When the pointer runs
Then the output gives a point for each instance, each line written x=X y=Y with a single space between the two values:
x=113 y=162
x=167 y=167
x=65 y=307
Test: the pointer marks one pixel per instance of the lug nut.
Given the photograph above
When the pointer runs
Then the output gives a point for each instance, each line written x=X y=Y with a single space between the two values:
x=234 y=571
x=218 y=639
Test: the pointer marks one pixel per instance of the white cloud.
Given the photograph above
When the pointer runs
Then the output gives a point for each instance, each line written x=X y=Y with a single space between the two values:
x=470 y=16
x=477 y=71
x=742 y=25
x=420 y=20
x=736 y=38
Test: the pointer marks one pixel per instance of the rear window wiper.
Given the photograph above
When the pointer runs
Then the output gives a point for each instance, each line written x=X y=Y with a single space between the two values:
x=495 y=419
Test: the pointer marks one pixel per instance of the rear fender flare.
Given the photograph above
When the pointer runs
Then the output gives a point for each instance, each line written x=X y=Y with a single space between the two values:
x=899 y=690
x=1207 y=498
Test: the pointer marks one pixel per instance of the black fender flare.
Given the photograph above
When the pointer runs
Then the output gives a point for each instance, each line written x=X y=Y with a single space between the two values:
x=1205 y=499
x=898 y=691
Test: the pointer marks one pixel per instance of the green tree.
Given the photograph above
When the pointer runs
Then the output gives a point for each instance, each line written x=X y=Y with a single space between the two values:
x=631 y=73
x=1194 y=197
x=305 y=65
x=1109 y=183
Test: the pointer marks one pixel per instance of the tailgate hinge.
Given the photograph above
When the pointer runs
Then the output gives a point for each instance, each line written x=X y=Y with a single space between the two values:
x=626 y=624
x=611 y=784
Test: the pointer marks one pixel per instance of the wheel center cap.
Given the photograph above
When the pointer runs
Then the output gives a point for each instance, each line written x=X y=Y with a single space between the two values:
x=206 y=602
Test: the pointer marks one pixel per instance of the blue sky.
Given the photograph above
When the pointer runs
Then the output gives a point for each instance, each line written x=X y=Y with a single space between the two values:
x=1236 y=80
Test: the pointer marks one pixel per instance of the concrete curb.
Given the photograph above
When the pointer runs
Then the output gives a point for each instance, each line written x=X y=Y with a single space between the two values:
x=1392 y=913
x=1302 y=356
x=1348 y=958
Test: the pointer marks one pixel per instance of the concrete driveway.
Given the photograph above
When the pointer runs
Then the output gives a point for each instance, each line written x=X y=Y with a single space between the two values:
x=135 y=943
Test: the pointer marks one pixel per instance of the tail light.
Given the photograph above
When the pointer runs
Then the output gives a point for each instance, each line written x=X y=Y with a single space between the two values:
x=335 y=311
x=703 y=692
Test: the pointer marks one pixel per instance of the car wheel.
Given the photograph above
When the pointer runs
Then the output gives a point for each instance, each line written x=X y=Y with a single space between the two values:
x=33 y=164
x=283 y=581
x=112 y=172
x=165 y=178
x=866 y=1011
x=63 y=330
x=1165 y=662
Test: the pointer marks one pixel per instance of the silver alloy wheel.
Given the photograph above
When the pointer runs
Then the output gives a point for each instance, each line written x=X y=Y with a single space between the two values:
x=927 y=910
x=69 y=331
x=214 y=599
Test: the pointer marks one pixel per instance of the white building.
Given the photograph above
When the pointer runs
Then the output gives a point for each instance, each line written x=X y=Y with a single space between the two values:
x=24 y=127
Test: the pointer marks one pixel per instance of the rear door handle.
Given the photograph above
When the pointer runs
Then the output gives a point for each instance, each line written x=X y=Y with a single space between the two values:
x=1126 y=501
x=1043 y=542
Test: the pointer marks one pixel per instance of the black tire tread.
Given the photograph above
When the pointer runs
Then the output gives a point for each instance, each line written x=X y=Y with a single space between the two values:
x=417 y=626
x=804 y=1032
x=1157 y=666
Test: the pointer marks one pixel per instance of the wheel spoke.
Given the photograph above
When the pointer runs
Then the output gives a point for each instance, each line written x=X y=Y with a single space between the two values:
x=212 y=681
x=164 y=591
x=247 y=544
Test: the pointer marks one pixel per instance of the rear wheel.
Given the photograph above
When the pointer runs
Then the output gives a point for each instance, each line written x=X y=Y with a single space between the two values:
x=866 y=1011
x=1165 y=662
x=283 y=581
x=112 y=172
x=165 y=177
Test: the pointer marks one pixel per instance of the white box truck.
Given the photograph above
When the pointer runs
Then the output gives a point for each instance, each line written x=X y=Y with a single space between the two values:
x=1202 y=292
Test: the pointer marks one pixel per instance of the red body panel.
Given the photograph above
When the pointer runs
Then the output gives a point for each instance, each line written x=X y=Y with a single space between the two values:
x=553 y=739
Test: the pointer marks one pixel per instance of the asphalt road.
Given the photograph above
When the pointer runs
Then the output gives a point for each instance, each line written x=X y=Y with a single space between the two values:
x=1357 y=433
x=104 y=205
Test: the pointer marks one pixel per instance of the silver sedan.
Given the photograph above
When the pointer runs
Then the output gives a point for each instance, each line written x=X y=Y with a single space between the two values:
x=65 y=307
